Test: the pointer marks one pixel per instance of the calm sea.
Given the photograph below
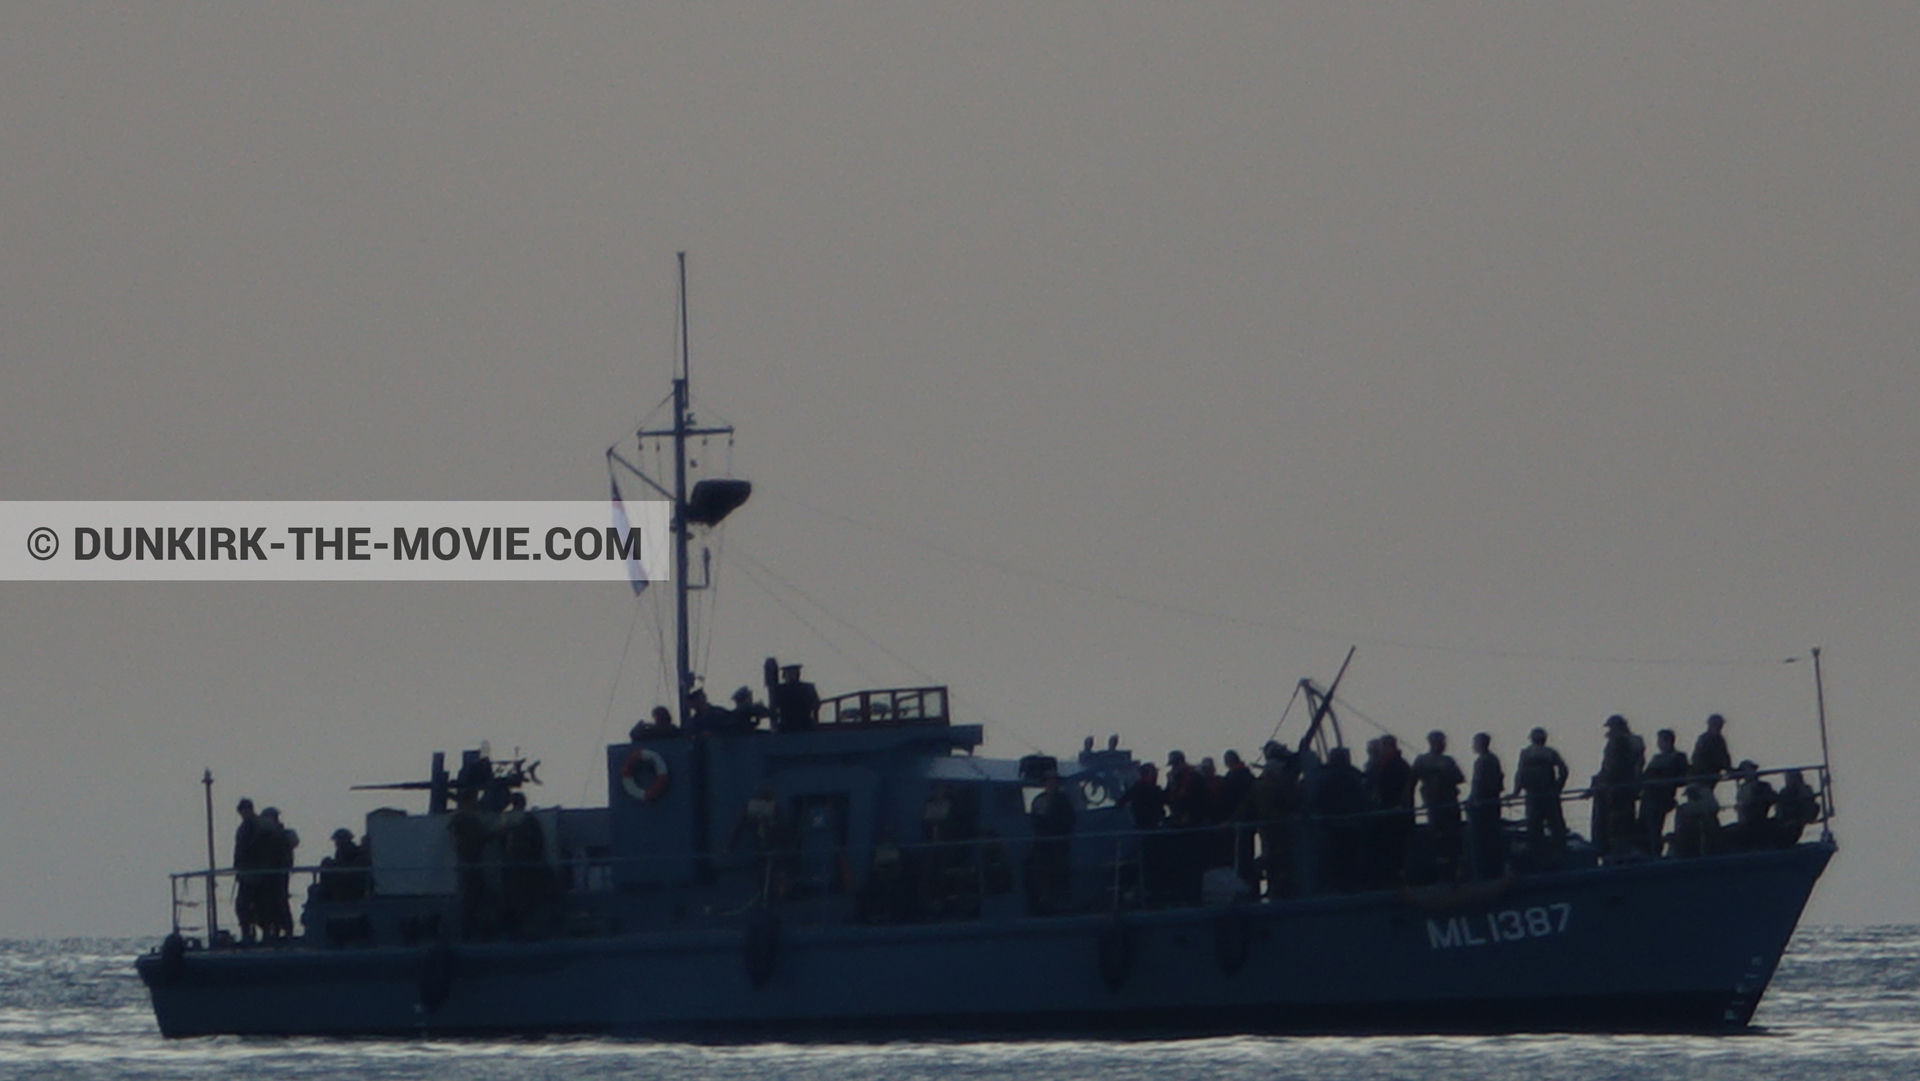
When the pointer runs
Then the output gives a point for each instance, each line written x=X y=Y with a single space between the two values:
x=1846 y=1004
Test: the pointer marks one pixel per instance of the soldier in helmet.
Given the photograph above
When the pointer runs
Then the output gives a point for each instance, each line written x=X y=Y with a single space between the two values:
x=1048 y=881
x=246 y=861
x=1438 y=778
x=796 y=702
x=1710 y=756
x=1665 y=772
x=1796 y=808
x=1618 y=786
x=1696 y=824
x=276 y=845
x=1752 y=806
x=1483 y=809
x=1541 y=775
x=1230 y=808
x=343 y=875
x=747 y=713
x=1275 y=805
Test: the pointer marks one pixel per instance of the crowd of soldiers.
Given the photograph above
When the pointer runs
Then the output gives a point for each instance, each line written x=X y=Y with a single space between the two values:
x=1302 y=825
x=501 y=874
x=263 y=867
x=1332 y=825
x=1633 y=795
x=793 y=705
x=502 y=878
x=1174 y=859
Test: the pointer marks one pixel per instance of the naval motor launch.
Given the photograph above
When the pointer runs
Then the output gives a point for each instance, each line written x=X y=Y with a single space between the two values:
x=853 y=864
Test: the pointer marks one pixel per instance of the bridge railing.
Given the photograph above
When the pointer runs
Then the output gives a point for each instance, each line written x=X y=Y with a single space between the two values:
x=886 y=707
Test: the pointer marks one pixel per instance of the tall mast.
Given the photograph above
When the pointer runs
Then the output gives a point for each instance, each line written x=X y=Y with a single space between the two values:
x=675 y=490
x=683 y=650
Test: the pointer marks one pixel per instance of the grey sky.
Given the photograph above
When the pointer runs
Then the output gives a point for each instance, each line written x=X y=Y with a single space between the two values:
x=1118 y=364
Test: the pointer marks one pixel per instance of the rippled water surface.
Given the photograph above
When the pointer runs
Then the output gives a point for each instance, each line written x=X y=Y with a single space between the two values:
x=1845 y=1004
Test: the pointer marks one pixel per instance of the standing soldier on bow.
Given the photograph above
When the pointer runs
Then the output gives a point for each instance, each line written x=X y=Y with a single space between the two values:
x=1541 y=774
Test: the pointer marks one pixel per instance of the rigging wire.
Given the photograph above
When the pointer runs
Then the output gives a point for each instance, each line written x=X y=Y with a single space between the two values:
x=1355 y=711
x=717 y=537
x=696 y=623
x=660 y=636
x=851 y=627
x=1275 y=734
x=711 y=600
x=807 y=623
x=654 y=412
x=649 y=599
x=1192 y=612
x=967 y=702
x=612 y=693
x=694 y=405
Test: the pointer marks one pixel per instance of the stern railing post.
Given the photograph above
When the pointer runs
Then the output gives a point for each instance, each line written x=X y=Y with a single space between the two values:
x=1826 y=759
x=213 y=912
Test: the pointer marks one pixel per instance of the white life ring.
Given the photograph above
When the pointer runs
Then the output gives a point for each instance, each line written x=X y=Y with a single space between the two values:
x=655 y=790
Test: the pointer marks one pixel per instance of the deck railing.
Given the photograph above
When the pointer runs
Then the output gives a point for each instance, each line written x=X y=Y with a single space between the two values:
x=1122 y=868
x=887 y=707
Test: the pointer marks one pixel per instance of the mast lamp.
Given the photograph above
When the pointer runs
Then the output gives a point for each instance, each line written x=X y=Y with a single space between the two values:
x=713 y=499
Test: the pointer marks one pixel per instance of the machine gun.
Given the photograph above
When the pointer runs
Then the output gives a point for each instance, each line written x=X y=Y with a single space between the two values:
x=489 y=781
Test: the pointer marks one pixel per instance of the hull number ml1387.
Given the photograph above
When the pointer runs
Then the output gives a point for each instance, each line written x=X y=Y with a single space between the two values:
x=1506 y=925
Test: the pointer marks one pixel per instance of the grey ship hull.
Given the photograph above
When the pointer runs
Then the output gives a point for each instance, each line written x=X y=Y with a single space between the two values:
x=1667 y=945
